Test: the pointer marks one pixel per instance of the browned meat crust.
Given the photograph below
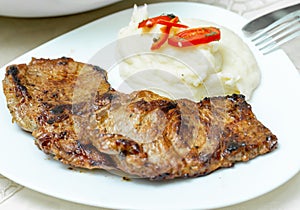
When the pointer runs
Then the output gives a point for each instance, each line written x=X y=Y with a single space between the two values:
x=75 y=115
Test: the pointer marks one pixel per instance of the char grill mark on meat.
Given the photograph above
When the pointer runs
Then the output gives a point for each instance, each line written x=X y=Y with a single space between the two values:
x=75 y=115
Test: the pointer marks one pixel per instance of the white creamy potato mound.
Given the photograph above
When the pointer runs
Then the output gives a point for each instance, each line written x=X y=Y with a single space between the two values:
x=217 y=68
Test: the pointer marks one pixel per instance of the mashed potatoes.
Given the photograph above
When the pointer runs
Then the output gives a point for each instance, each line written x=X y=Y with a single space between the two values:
x=217 y=68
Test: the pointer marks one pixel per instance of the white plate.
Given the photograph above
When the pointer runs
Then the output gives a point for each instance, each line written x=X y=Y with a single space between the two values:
x=48 y=8
x=275 y=102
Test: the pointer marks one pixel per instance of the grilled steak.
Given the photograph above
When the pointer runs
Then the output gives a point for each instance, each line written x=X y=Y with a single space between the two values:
x=77 y=117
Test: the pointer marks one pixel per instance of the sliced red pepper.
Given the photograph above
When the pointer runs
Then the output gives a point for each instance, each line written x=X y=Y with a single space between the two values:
x=165 y=30
x=165 y=35
x=195 y=36
x=167 y=20
x=150 y=22
x=162 y=39
x=171 y=24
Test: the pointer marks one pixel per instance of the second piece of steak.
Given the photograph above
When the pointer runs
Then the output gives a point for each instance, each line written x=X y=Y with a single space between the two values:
x=76 y=116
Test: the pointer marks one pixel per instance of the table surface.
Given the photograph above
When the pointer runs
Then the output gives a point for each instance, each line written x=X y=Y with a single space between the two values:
x=16 y=39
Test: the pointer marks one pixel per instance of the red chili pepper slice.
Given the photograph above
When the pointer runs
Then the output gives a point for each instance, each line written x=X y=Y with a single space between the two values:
x=150 y=22
x=165 y=34
x=171 y=24
x=195 y=36
x=162 y=39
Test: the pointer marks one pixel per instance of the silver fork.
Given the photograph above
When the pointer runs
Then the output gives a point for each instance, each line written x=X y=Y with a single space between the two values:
x=278 y=33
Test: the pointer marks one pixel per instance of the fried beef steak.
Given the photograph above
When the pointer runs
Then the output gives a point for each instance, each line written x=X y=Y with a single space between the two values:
x=77 y=117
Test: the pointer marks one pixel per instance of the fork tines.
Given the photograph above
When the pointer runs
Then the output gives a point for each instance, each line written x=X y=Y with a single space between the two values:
x=278 y=33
